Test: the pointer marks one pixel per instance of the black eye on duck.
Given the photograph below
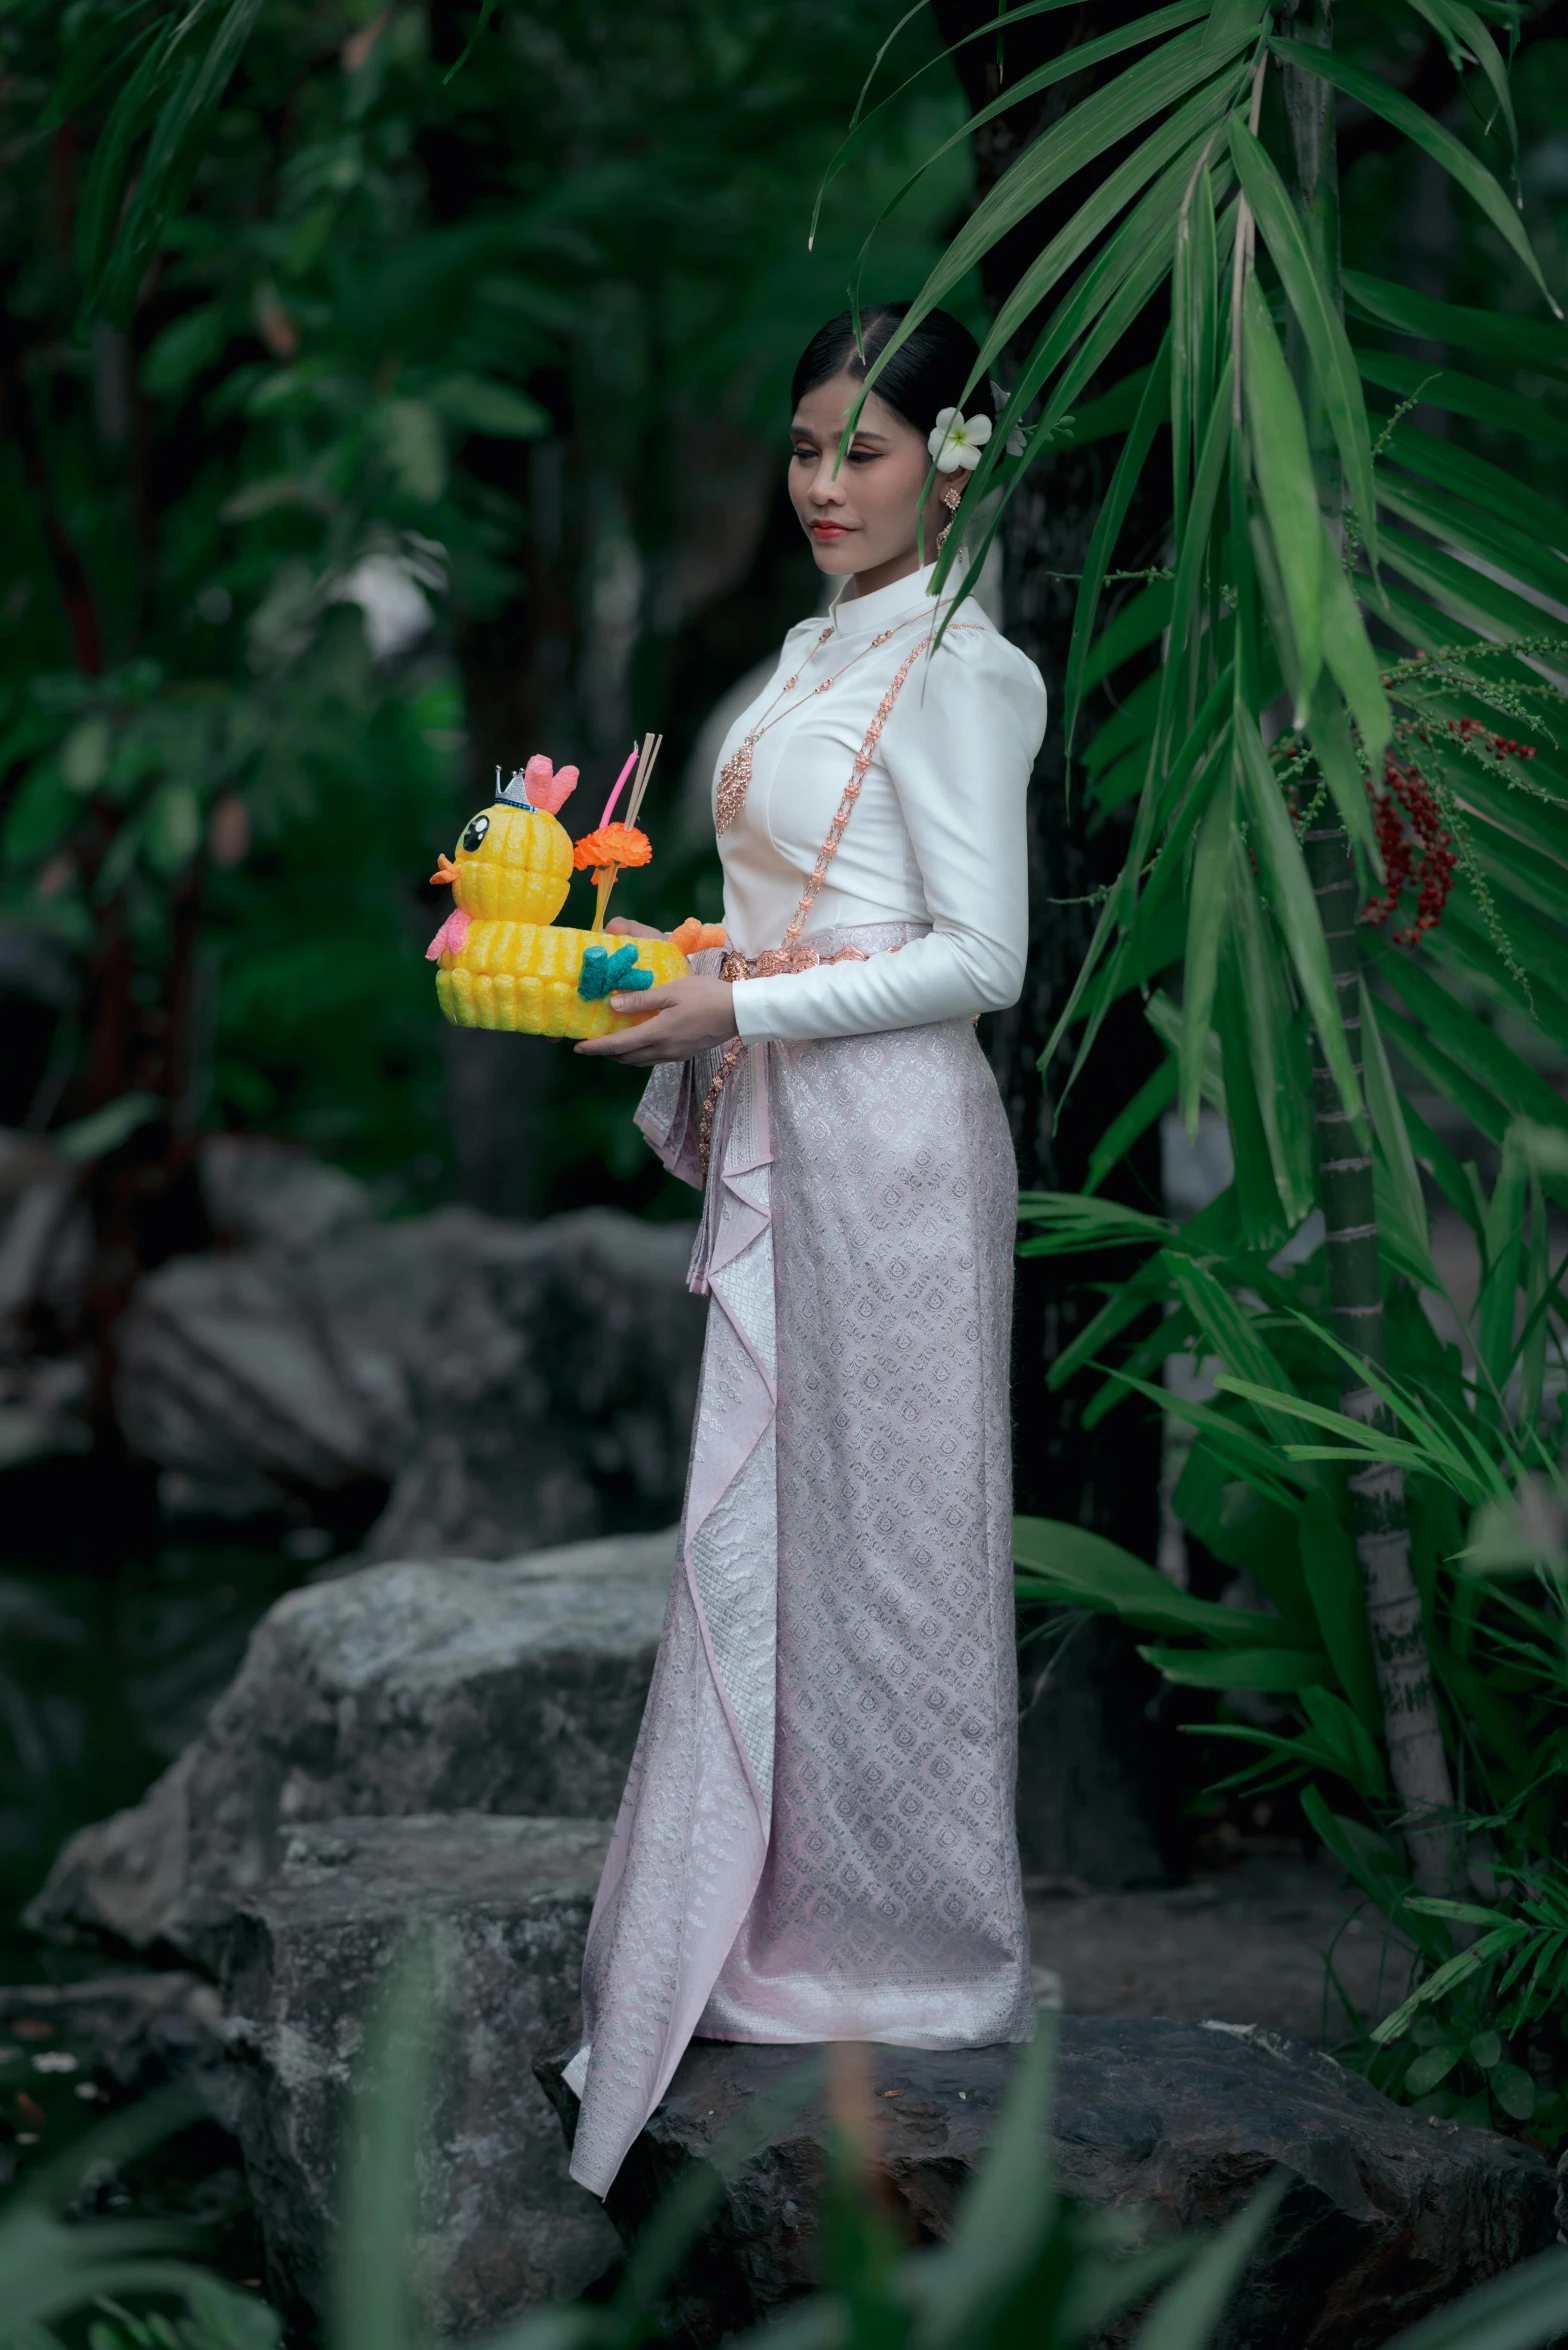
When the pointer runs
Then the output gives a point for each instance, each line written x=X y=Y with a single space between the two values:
x=475 y=833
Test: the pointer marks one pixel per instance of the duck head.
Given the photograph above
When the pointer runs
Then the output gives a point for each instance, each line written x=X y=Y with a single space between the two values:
x=514 y=861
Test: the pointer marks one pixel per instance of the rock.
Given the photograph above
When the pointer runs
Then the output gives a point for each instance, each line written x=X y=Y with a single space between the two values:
x=1389 y=2217
x=141 y=2030
x=262 y=1193
x=503 y=2226
x=510 y=1386
x=465 y=1686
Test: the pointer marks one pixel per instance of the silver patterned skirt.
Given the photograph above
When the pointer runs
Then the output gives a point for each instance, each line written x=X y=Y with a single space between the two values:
x=816 y=1840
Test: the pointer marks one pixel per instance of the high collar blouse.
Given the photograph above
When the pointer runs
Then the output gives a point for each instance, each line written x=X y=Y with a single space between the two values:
x=936 y=837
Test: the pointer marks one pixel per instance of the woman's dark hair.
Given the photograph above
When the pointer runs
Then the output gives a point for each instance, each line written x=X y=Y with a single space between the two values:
x=925 y=374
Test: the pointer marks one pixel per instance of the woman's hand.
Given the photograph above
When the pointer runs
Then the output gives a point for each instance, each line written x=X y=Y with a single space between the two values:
x=625 y=929
x=686 y=1016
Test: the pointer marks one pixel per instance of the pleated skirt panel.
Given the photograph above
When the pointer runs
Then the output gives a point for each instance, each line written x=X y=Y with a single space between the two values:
x=817 y=1837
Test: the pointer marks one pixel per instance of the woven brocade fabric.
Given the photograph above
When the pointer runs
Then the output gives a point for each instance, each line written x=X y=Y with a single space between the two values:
x=816 y=1840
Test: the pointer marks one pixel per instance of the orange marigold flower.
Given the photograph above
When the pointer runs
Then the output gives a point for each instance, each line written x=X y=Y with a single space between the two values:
x=613 y=845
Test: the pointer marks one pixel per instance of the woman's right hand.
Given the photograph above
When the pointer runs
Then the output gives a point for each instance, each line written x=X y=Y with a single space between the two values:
x=627 y=929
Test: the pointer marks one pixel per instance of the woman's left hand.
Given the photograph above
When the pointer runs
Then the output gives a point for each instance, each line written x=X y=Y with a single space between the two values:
x=685 y=1017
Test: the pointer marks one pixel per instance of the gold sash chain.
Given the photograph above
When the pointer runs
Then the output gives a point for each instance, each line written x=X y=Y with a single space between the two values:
x=791 y=955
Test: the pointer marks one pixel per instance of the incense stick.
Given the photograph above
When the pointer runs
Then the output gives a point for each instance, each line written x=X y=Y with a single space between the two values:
x=644 y=777
x=644 y=760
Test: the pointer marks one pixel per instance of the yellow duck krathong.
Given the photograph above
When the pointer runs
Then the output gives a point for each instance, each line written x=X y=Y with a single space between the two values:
x=503 y=960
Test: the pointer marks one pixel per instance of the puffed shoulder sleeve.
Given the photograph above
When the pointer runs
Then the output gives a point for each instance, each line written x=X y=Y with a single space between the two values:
x=959 y=747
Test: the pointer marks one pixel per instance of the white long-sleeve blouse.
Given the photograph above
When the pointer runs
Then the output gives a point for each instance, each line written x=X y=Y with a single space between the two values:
x=936 y=836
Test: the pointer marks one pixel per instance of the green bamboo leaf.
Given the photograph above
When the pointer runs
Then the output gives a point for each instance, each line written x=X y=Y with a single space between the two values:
x=1111 y=292
x=1231 y=21
x=1332 y=1575
x=1235 y=1338
x=1282 y=464
x=1468 y=42
x=96 y=56
x=1276 y=1045
x=1208 y=920
x=1328 y=729
x=1540 y=518
x=1122 y=1308
x=103 y=193
x=1194 y=331
x=1166 y=161
x=1459 y=589
x=1519 y=342
x=1392 y=1143
x=1333 y=361
x=1138 y=624
x=1262 y=1466
x=1426 y=133
x=486 y=11
x=1527 y=561
x=1273 y=1670
x=1357 y=1437
x=1356 y=671
x=1078 y=140
x=1185 y=592
x=1264 y=1223
x=1166 y=1021
x=1295 y=908
x=1467 y=941
x=1066 y=1563
x=1270 y=583
x=1170 y=143
x=1447 y=1978
x=1111 y=415
x=174 y=151
x=1476 y=1047
x=1351 y=1745
x=1482 y=1107
x=1374 y=1862
x=1107 y=529
x=1532 y=1350
x=1153 y=1097
x=1464 y=395
x=861 y=125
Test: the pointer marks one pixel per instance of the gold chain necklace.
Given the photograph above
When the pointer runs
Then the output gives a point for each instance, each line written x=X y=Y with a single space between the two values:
x=735 y=774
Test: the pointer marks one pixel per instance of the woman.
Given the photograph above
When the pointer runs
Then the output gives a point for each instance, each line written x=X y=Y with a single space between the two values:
x=816 y=1840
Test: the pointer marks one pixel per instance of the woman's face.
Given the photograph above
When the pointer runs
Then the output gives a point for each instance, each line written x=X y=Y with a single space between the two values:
x=860 y=516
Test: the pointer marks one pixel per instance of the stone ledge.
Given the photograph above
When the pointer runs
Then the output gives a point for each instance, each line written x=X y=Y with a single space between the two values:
x=447 y=1685
x=503 y=2226
x=1389 y=2218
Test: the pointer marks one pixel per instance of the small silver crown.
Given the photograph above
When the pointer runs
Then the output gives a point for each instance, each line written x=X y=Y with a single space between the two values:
x=516 y=793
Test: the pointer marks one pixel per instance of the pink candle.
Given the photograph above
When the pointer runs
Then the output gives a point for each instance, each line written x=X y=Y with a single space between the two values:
x=609 y=805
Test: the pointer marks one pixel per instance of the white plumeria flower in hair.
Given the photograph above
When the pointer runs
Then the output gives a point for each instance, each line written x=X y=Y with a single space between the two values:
x=956 y=441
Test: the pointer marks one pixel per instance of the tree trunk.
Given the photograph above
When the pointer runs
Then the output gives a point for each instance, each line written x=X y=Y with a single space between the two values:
x=1412 y=1730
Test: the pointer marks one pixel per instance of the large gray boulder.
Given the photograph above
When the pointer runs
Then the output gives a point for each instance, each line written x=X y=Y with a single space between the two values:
x=466 y=1685
x=501 y=2226
x=511 y=1386
x=1388 y=2217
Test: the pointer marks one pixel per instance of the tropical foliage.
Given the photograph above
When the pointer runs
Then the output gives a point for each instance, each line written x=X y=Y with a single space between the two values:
x=1346 y=886
x=349 y=400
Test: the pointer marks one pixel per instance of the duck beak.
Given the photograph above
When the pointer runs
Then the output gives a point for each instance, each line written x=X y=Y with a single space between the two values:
x=445 y=869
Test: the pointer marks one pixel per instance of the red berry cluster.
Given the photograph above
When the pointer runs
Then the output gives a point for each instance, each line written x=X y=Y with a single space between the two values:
x=1501 y=746
x=1406 y=789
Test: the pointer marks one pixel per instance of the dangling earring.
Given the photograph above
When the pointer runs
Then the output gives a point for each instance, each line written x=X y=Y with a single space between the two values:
x=950 y=498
